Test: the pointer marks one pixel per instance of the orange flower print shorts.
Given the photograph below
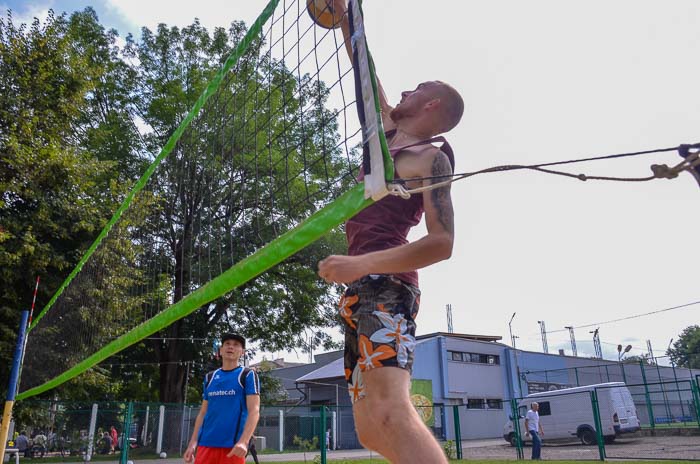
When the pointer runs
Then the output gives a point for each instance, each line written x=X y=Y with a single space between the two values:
x=379 y=316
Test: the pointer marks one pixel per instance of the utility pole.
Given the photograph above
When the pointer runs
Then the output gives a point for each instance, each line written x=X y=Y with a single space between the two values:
x=450 y=328
x=510 y=329
x=651 y=352
x=573 y=339
x=543 y=332
x=513 y=340
x=596 y=343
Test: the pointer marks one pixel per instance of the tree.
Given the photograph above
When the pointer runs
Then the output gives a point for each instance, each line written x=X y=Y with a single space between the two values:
x=686 y=350
x=68 y=152
x=635 y=359
x=199 y=229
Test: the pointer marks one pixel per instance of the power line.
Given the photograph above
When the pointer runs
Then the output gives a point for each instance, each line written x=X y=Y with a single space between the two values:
x=635 y=316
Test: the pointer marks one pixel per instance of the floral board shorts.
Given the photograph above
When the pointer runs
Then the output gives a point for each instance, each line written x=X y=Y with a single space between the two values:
x=380 y=330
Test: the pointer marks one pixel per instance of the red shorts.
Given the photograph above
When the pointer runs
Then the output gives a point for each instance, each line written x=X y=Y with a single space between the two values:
x=208 y=455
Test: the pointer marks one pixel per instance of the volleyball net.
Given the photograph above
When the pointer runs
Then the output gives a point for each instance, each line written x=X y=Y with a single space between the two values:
x=264 y=164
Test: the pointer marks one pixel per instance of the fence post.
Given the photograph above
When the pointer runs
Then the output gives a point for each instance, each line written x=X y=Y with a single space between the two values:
x=650 y=409
x=281 y=440
x=91 y=431
x=515 y=415
x=598 y=425
x=125 y=434
x=159 y=439
x=695 y=388
x=678 y=390
x=669 y=414
x=323 y=435
x=334 y=427
x=458 y=431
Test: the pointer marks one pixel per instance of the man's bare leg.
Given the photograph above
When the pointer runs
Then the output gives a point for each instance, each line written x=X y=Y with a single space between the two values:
x=387 y=422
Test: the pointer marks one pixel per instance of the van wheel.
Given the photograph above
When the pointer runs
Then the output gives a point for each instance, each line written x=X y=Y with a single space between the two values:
x=512 y=440
x=588 y=437
x=609 y=439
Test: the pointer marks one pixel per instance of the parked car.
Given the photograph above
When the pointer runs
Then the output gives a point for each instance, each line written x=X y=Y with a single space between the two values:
x=567 y=414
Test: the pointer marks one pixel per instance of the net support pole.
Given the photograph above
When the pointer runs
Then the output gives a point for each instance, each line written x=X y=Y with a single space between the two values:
x=91 y=432
x=14 y=380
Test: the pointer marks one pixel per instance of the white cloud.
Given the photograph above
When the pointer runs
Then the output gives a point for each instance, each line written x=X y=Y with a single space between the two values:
x=211 y=13
x=29 y=12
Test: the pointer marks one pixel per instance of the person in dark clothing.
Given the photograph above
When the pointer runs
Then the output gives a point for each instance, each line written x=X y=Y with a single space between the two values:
x=382 y=297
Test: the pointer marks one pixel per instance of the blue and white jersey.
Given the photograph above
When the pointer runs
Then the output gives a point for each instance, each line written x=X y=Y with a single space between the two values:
x=226 y=408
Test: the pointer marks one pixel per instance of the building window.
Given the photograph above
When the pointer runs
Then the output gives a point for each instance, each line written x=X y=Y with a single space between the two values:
x=477 y=358
x=476 y=403
x=492 y=403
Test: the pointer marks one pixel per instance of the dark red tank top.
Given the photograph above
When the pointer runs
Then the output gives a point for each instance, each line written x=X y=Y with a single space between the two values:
x=386 y=223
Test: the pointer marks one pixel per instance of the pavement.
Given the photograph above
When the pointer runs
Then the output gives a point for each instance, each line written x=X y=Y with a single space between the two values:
x=332 y=455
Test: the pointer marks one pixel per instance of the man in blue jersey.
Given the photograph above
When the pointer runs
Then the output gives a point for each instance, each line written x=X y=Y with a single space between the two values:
x=229 y=412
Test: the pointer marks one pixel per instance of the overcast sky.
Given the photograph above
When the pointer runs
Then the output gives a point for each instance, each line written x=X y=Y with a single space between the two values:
x=543 y=81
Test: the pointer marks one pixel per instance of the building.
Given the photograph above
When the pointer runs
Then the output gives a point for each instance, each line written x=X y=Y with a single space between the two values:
x=477 y=376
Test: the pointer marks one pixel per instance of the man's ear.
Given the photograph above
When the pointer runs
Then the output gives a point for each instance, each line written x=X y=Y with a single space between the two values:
x=432 y=104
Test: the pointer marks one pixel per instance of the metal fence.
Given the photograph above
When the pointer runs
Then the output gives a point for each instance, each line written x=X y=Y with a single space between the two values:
x=581 y=423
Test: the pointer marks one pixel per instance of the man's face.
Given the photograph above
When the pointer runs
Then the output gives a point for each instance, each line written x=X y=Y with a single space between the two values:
x=231 y=349
x=413 y=101
x=535 y=407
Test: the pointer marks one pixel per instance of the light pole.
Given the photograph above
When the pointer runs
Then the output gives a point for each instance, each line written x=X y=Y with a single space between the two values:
x=620 y=355
x=510 y=329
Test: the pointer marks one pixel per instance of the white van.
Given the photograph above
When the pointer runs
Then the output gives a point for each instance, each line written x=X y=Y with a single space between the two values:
x=568 y=414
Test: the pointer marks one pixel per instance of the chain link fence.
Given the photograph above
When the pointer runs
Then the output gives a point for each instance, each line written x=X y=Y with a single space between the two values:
x=659 y=420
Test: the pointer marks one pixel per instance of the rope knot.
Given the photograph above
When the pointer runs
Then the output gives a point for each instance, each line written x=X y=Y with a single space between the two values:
x=662 y=171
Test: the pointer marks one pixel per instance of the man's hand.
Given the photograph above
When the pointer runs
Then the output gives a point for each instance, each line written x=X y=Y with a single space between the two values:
x=240 y=450
x=189 y=453
x=342 y=269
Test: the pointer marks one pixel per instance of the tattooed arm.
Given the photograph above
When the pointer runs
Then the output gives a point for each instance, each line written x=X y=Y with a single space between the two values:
x=434 y=247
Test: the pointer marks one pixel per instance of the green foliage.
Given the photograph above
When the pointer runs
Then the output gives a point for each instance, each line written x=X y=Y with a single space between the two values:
x=686 y=349
x=57 y=191
x=304 y=444
x=70 y=100
x=635 y=359
x=450 y=449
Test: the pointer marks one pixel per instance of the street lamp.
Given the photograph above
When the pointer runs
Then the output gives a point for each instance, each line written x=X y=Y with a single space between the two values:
x=620 y=355
x=510 y=329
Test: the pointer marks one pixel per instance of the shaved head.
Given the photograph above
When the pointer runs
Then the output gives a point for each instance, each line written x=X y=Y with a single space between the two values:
x=451 y=103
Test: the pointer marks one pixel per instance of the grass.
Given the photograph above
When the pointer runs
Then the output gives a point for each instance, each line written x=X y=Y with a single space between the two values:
x=339 y=461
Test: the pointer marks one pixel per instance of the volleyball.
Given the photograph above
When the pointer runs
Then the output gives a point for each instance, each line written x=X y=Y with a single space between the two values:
x=163 y=455
x=321 y=11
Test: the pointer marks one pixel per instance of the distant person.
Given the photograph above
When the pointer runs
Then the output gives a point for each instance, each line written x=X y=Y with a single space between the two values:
x=230 y=409
x=22 y=443
x=328 y=439
x=252 y=450
x=114 y=436
x=39 y=444
x=105 y=444
x=534 y=428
